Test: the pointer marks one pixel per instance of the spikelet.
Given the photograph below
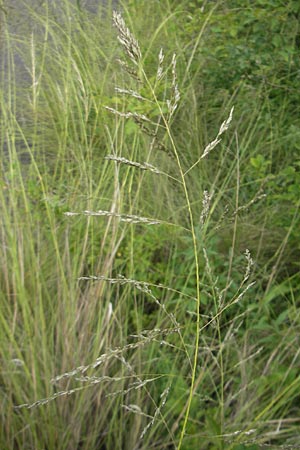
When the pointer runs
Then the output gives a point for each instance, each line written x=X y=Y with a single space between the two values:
x=127 y=40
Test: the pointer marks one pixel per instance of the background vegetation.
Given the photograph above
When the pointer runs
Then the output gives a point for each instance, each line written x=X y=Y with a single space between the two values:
x=134 y=358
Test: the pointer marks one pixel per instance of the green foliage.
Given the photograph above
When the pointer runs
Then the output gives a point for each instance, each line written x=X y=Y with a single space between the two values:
x=248 y=55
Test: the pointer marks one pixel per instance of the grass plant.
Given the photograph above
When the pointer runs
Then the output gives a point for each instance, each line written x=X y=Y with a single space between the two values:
x=142 y=307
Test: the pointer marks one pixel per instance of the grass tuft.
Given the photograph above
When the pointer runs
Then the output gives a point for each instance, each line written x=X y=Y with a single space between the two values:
x=145 y=299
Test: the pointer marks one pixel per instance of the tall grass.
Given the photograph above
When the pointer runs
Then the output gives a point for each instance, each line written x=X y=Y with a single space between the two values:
x=130 y=318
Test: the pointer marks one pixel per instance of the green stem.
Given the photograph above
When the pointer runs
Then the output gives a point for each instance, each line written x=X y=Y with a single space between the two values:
x=196 y=258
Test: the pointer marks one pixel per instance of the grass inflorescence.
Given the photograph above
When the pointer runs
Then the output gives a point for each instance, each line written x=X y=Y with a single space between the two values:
x=140 y=297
